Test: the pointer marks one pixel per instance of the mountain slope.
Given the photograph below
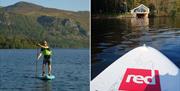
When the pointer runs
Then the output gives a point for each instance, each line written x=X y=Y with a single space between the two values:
x=24 y=24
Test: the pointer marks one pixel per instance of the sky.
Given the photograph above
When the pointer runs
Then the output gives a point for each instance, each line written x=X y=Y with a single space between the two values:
x=72 y=5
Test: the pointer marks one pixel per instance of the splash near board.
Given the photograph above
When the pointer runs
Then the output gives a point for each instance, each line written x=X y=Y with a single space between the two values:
x=46 y=77
x=141 y=69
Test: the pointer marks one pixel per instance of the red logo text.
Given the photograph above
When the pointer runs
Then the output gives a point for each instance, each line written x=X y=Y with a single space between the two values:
x=140 y=80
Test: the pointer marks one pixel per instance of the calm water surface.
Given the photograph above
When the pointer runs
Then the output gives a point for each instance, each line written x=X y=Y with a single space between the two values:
x=70 y=66
x=111 y=38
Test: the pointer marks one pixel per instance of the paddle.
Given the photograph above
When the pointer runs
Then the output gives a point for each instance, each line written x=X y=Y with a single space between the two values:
x=36 y=64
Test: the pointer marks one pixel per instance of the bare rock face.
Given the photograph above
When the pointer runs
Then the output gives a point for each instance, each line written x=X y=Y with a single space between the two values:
x=64 y=25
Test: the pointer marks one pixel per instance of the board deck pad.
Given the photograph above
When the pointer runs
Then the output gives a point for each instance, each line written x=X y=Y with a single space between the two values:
x=47 y=77
x=141 y=69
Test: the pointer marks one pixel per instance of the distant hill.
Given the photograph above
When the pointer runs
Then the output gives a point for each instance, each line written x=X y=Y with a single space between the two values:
x=23 y=24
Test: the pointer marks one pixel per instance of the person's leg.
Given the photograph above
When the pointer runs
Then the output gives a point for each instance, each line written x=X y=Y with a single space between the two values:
x=49 y=69
x=43 y=69
x=49 y=66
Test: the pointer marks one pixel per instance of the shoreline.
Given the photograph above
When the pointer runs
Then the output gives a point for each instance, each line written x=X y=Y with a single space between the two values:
x=111 y=16
x=120 y=16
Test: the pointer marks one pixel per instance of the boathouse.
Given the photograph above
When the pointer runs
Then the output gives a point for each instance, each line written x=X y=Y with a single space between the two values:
x=141 y=11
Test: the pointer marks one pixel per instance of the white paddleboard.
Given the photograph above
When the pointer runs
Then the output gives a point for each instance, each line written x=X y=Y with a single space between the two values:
x=47 y=77
x=141 y=69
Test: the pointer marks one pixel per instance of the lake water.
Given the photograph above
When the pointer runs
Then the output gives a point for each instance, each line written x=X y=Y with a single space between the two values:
x=70 y=66
x=111 y=38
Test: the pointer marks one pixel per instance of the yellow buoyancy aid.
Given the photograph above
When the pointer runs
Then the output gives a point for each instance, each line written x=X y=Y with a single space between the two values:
x=47 y=51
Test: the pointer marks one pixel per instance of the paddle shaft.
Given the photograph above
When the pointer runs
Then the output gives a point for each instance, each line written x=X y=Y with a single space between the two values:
x=36 y=65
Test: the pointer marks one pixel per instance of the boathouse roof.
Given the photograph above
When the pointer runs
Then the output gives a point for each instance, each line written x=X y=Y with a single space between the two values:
x=140 y=9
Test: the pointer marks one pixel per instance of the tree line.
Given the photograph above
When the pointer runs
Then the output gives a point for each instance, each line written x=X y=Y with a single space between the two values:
x=157 y=7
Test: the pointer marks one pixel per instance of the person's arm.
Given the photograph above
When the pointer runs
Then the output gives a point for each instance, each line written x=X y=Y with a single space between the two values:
x=42 y=46
x=38 y=57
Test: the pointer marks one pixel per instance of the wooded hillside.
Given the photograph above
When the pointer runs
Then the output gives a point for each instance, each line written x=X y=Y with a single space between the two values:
x=23 y=25
x=157 y=7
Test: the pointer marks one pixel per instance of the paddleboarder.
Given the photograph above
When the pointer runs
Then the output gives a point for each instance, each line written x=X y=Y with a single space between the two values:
x=47 y=52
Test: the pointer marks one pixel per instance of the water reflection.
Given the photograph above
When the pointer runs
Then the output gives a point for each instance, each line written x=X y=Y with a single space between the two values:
x=139 y=22
x=47 y=86
x=111 y=38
